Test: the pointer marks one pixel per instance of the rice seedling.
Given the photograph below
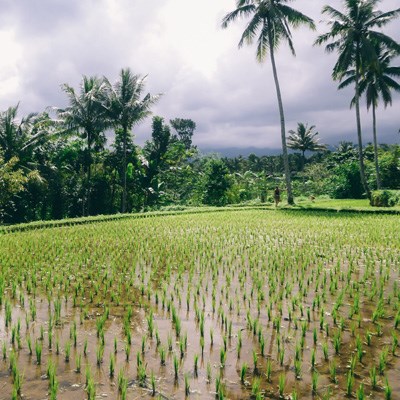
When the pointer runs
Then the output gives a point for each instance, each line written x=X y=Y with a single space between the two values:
x=143 y=344
x=349 y=383
x=256 y=387
x=332 y=371
x=313 y=359
x=395 y=343
x=337 y=340
x=388 y=390
x=196 y=362
x=67 y=351
x=268 y=370
x=297 y=369
x=369 y=338
x=187 y=385
x=169 y=341
x=153 y=384
x=142 y=375
x=239 y=344
x=382 y=361
x=222 y=357
x=162 y=355
x=85 y=346
x=38 y=352
x=243 y=371
x=281 y=385
x=78 y=363
x=373 y=377
x=209 y=373
x=90 y=385
x=28 y=342
x=176 y=367
x=4 y=351
x=360 y=392
x=325 y=351
x=127 y=349
x=314 y=381
x=111 y=368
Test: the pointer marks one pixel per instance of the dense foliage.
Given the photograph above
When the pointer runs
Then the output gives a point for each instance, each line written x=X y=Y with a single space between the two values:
x=48 y=178
x=82 y=160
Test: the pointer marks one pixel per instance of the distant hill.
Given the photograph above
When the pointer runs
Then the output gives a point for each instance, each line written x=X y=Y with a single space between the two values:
x=241 y=151
x=246 y=151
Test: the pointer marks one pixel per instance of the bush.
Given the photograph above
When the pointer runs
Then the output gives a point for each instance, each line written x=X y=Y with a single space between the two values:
x=385 y=198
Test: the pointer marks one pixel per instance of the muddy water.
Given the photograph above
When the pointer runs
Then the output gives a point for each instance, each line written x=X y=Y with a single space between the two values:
x=231 y=273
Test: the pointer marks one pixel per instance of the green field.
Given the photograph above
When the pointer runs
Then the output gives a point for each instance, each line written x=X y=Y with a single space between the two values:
x=235 y=304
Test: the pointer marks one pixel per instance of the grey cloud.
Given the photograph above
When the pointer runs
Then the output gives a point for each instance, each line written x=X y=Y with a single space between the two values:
x=234 y=106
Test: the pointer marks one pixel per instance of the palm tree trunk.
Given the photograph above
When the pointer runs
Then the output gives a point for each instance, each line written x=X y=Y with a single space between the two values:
x=359 y=135
x=124 y=172
x=282 y=118
x=378 y=177
x=89 y=178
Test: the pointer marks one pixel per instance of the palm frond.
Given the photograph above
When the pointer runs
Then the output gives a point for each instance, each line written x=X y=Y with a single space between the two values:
x=240 y=12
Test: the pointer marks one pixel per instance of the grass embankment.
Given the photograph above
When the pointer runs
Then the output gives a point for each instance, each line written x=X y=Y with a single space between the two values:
x=338 y=205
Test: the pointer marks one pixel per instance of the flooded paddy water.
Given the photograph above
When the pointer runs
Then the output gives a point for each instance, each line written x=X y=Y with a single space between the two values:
x=229 y=305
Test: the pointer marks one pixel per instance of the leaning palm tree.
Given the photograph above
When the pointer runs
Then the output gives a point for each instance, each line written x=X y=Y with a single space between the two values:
x=271 y=21
x=304 y=139
x=125 y=108
x=377 y=80
x=353 y=36
x=85 y=115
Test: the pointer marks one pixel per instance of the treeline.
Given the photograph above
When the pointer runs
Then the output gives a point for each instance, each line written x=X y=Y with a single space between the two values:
x=57 y=164
x=45 y=175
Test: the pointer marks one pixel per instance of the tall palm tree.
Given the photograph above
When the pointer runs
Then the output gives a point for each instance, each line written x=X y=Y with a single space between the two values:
x=15 y=132
x=85 y=115
x=304 y=139
x=271 y=21
x=377 y=80
x=125 y=108
x=353 y=36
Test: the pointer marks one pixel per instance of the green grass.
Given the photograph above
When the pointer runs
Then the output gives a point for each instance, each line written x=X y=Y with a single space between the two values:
x=301 y=203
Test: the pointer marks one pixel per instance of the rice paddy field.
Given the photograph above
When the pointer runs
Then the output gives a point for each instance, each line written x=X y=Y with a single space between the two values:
x=238 y=304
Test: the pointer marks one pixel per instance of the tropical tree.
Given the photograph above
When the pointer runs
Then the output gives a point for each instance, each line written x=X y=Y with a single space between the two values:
x=125 y=108
x=12 y=181
x=217 y=182
x=271 y=21
x=354 y=37
x=377 y=80
x=304 y=139
x=15 y=132
x=184 y=129
x=86 y=116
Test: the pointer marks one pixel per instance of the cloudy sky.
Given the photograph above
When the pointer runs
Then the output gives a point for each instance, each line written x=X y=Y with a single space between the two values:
x=189 y=58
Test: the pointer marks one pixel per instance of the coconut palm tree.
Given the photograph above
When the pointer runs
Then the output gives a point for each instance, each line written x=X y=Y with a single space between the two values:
x=377 y=80
x=125 y=108
x=85 y=115
x=270 y=21
x=15 y=132
x=353 y=36
x=304 y=139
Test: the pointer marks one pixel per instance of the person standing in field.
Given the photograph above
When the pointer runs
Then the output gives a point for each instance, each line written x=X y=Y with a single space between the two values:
x=277 y=196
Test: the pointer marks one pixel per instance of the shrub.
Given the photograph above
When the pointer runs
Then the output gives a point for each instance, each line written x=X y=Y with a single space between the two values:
x=385 y=198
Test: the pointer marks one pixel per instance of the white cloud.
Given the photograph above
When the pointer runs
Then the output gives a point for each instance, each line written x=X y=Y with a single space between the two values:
x=9 y=70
